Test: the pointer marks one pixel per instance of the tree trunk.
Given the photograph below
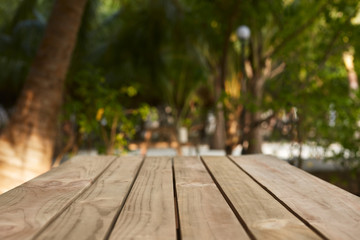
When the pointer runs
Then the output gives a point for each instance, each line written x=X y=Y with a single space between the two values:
x=260 y=71
x=26 y=145
x=219 y=138
x=255 y=135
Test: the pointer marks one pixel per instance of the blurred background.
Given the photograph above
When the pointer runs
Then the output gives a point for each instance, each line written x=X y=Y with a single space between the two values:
x=180 y=77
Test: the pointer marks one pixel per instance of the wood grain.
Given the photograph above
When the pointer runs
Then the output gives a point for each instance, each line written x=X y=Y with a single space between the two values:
x=203 y=211
x=265 y=216
x=26 y=209
x=149 y=211
x=331 y=210
x=90 y=216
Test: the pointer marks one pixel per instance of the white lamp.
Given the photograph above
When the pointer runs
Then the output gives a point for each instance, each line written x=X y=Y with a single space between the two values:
x=243 y=32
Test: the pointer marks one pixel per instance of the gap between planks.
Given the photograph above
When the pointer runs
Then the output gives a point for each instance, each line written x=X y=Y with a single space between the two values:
x=112 y=225
x=176 y=205
x=63 y=208
x=333 y=211
x=203 y=210
x=130 y=191
x=241 y=220
x=46 y=232
x=73 y=200
x=258 y=225
x=175 y=202
x=316 y=231
x=149 y=211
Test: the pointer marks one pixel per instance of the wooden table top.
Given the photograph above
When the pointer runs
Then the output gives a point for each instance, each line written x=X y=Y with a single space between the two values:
x=249 y=197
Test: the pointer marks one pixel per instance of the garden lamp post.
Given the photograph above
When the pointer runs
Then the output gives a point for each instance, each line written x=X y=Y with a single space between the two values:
x=243 y=33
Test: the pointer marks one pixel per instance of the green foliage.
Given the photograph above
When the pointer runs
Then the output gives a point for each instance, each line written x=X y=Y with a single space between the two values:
x=169 y=53
x=100 y=113
x=309 y=37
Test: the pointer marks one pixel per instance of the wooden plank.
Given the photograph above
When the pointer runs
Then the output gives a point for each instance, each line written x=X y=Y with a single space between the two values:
x=90 y=216
x=265 y=217
x=26 y=209
x=203 y=211
x=331 y=210
x=149 y=211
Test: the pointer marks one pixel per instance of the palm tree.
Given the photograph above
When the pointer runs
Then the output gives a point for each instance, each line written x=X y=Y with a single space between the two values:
x=26 y=145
